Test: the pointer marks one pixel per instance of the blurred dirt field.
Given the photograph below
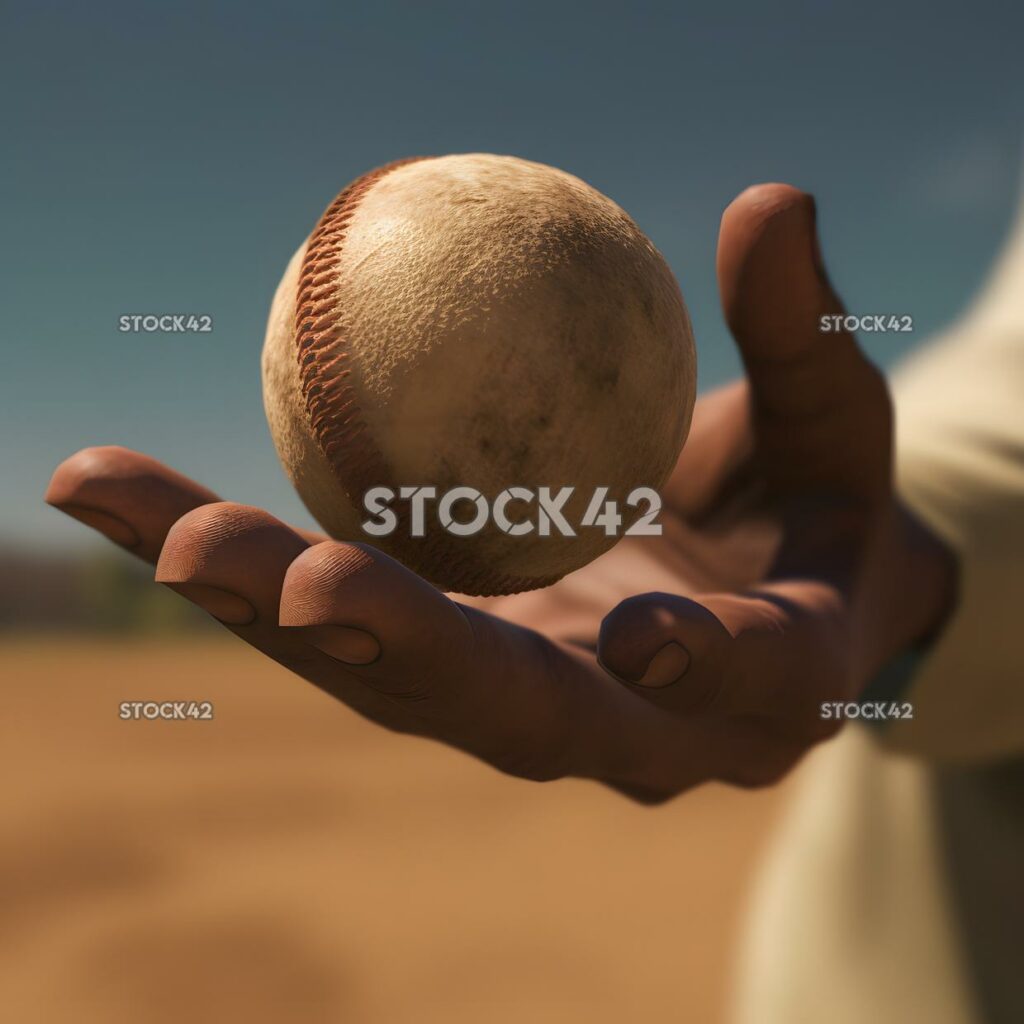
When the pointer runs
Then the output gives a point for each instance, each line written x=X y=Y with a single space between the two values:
x=290 y=862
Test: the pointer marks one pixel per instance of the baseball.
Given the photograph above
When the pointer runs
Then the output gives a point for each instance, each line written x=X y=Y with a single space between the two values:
x=478 y=325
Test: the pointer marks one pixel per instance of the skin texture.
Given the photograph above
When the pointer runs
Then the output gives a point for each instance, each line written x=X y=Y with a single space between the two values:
x=788 y=572
x=477 y=321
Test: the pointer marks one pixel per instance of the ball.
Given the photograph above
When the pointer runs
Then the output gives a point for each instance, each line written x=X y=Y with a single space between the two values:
x=473 y=324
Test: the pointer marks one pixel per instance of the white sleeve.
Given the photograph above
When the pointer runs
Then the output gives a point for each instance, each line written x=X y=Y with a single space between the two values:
x=960 y=466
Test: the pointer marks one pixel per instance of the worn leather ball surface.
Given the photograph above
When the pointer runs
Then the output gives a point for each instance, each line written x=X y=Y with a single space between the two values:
x=478 y=321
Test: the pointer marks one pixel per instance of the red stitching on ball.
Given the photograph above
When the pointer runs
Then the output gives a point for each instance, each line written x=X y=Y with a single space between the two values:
x=333 y=408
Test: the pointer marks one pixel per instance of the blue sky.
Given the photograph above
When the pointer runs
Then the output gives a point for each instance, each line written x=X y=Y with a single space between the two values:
x=169 y=158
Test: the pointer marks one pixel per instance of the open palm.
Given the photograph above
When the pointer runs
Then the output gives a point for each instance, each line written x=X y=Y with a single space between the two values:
x=786 y=575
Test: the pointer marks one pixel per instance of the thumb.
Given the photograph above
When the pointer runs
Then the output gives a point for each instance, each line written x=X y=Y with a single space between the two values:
x=822 y=418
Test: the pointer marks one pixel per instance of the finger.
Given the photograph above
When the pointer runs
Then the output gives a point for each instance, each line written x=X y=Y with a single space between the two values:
x=335 y=588
x=131 y=498
x=680 y=657
x=673 y=650
x=821 y=410
x=128 y=497
x=478 y=681
x=767 y=654
x=231 y=560
x=531 y=707
x=372 y=634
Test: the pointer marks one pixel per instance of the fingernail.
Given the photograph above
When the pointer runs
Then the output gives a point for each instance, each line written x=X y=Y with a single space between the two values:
x=228 y=608
x=667 y=667
x=343 y=643
x=110 y=526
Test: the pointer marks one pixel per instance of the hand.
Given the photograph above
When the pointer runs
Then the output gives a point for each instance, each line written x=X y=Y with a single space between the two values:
x=787 y=573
